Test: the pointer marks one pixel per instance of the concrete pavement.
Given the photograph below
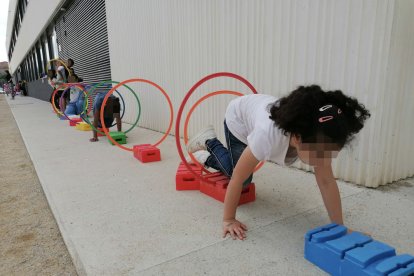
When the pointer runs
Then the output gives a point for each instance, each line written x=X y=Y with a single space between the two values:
x=120 y=217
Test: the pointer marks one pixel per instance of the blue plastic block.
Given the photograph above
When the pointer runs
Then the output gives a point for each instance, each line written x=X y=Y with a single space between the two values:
x=397 y=265
x=407 y=271
x=319 y=229
x=358 y=259
x=316 y=250
x=338 y=253
x=347 y=242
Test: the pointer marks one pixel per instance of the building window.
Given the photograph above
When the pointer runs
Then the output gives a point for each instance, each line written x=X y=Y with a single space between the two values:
x=45 y=48
x=35 y=65
x=32 y=67
x=23 y=5
x=55 y=45
x=50 y=47
x=29 y=68
x=26 y=71
x=40 y=58
x=39 y=62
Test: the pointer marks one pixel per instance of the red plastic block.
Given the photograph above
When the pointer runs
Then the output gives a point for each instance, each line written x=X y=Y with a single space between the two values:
x=218 y=190
x=100 y=134
x=186 y=180
x=73 y=121
x=146 y=153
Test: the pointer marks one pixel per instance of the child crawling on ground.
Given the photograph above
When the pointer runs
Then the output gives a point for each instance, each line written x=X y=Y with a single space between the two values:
x=308 y=124
x=112 y=111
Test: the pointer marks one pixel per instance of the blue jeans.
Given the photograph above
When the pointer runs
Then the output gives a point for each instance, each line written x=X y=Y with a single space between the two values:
x=98 y=101
x=97 y=104
x=75 y=108
x=71 y=109
x=225 y=159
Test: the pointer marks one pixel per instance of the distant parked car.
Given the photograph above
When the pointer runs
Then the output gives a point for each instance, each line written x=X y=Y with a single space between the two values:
x=1 y=90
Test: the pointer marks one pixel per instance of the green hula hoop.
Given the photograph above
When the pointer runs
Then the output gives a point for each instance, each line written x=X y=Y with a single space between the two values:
x=89 y=93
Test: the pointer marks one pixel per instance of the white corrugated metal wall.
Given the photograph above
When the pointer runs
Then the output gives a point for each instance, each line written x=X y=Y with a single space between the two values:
x=364 y=48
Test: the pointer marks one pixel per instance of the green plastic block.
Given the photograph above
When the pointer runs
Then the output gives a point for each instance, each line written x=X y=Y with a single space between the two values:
x=118 y=136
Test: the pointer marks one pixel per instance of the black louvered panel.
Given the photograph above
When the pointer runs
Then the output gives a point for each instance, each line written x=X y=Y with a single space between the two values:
x=82 y=35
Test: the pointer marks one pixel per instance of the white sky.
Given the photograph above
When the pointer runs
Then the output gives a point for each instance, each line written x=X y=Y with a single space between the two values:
x=4 y=7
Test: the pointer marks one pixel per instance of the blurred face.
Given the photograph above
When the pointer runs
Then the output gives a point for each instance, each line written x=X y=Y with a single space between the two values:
x=315 y=154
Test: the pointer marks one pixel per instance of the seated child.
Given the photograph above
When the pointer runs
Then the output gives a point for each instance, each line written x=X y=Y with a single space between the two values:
x=76 y=98
x=56 y=82
x=112 y=110
x=51 y=79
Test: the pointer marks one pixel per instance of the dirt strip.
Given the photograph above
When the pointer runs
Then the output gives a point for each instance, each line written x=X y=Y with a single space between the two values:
x=31 y=243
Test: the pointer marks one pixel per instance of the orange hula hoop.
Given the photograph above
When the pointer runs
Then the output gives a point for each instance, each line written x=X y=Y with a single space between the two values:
x=55 y=109
x=105 y=129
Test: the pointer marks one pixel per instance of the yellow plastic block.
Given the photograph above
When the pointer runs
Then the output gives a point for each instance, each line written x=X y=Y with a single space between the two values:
x=83 y=126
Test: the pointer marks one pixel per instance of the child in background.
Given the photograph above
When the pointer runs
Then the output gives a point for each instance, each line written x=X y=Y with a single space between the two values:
x=17 y=89
x=52 y=80
x=308 y=124
x=55 y=80
x=112 y=111
x=10 y=85
x=76 y=97
x=23 y=87
x=70 y=70
x=61 y=72
x=60 y=79
x=51 y=77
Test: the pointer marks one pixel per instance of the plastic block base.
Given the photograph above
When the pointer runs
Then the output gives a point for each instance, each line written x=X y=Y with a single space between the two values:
x=401 y=265
x=185 y=180
x=83 y=126
x=336 y=252
x=99 y=134
x=219 y=188
x=118 y=136
x=146 y=153
x=74 y=121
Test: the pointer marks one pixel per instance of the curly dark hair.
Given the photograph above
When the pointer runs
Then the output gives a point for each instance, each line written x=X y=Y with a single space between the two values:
x=303 y=111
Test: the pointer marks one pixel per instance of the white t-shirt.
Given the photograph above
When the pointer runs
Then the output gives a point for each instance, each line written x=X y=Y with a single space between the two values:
x=74 y=94
x=61 y=69
x=247 y=118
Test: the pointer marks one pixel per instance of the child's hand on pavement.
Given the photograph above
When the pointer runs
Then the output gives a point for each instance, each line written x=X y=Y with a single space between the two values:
x=235 y=228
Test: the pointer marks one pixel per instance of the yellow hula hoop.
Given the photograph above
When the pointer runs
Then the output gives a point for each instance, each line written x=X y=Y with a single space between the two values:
x=68 y=86
x=63 y=62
